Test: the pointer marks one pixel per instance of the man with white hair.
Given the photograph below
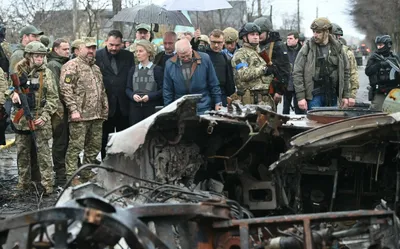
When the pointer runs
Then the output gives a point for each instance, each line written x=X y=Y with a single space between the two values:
x=191 y=72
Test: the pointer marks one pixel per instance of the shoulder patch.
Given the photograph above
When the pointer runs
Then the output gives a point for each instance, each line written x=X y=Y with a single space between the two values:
x=68 y=78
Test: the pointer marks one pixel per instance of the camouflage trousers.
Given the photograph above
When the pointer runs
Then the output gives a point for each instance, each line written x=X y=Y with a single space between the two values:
x=85 y=135
x=258 y=98
x=24 y=147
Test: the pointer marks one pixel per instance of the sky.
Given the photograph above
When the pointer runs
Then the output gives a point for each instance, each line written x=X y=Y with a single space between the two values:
x=335 y=10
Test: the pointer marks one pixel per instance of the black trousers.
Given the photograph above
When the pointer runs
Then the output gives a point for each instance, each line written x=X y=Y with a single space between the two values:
x=117 y=123
x=137 y=113
x=287 y=100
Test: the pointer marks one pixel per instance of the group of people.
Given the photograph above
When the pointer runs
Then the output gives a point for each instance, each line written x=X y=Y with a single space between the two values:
x=78 y=94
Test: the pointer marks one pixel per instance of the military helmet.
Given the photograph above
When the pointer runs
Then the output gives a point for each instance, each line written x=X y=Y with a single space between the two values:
x=321 y=23
x=385 y=39
x=230 y=34
x=248 y=28
x=264 y=23
x=35 y=47
x=336 y=29
x=204 y=38
x=302 y=38
x=45 y=40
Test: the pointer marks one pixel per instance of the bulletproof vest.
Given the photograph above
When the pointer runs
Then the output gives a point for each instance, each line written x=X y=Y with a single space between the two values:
x=219 y=61
x=143 y=80
x=383 y=77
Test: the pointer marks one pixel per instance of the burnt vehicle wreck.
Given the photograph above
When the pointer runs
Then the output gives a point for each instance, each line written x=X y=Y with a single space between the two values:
x=269 y=163
x=178 y=180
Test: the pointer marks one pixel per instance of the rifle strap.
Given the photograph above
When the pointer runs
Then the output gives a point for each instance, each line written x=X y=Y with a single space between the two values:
x=271 y=49
x=38 y=101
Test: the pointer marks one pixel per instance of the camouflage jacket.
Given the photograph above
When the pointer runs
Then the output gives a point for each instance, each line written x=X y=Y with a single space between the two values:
x=248 y=69
x=45 y=99
x=354 y=80
x=3 y=87
x=7 y=49
x=16 y=57
x=82 y=89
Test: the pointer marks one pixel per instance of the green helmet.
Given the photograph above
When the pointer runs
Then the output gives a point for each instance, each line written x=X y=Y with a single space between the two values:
x=45 y=40
x=264 y=23
x=321 y=23
x=35 y=47
x=336 y=29
x=302 y=38
x=231 y=34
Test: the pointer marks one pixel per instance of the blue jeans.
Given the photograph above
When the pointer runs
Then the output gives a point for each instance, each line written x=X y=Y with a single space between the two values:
x=319 y=101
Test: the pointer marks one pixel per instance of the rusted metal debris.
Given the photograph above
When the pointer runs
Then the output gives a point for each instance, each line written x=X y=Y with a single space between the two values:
x=91 y=221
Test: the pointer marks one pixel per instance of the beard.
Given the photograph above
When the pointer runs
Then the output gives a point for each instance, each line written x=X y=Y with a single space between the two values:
x=323 y=38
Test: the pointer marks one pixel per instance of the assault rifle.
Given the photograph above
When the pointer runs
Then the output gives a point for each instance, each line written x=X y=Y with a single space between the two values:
x=394 y=67
x=24 y=110
x=324 y=82
x=276 y=85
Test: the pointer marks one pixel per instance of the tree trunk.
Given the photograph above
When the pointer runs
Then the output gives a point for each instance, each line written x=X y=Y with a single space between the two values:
x=75 y=33
x=117 y=6
x=259 y=9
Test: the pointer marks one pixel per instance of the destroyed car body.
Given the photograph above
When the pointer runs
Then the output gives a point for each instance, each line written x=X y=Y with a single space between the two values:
x=269 y=163
x=178 y=180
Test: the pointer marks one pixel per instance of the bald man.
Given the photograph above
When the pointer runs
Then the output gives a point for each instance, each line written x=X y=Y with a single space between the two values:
x=191 y=72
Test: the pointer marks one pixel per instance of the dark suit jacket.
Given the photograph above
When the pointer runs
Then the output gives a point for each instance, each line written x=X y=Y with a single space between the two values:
x=115 y=85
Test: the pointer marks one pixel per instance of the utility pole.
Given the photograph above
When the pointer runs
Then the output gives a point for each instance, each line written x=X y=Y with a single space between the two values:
x=270 y=13
x=74 y=19
x=316 y=12
x=298 y=16
x=259 y=9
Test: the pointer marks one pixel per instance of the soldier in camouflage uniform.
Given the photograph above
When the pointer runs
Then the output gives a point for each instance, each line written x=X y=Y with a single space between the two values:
x=27 y=35
x=5 y=51
x=354 y=80
x=82 y=90
x=231 y=37
x=38 y=81
x=252 y=75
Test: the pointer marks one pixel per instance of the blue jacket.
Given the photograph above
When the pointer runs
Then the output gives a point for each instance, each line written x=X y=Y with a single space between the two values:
x=204 y=81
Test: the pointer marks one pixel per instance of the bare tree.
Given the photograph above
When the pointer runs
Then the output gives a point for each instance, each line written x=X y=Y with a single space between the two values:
x=23 y=12
x=289 y=21
x=377 y=19
x=93 y=10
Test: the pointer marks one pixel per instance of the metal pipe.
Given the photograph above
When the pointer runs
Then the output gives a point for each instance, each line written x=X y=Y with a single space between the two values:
x=334 y=190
